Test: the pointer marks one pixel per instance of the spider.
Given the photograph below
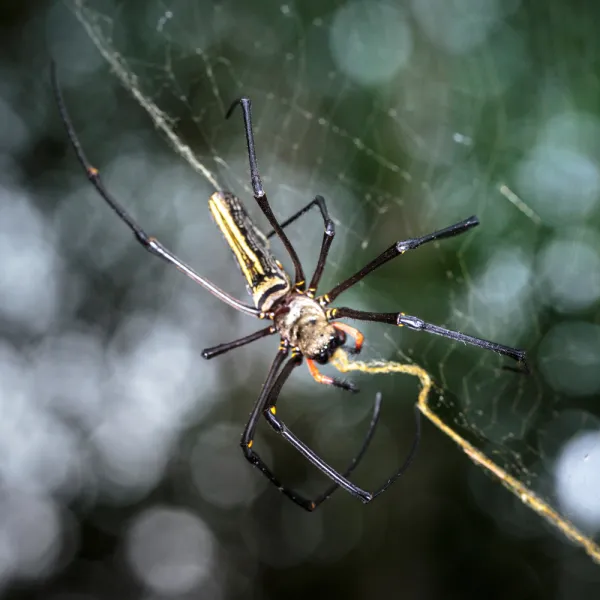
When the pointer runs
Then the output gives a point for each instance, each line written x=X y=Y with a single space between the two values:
x=304 y=321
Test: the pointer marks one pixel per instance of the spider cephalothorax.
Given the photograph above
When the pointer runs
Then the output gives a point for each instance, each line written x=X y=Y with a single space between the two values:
x=303 y=321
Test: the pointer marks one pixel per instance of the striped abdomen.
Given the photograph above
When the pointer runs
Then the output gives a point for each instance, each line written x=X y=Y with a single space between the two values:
x=266 y=280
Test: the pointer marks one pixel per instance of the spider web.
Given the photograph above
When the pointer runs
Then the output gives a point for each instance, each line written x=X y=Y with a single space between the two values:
x=420 y=127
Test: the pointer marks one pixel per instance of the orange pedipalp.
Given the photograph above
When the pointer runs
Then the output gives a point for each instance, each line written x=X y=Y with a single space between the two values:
x=354 y=333
x=317 y=375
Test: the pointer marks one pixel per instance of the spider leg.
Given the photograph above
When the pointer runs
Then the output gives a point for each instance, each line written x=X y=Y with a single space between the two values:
x=407 y=461
x=409 y=457
x=269 y=411
x=273 y=382
x=317 y=201
x=339 y=480
x=326 y=380
x=359 y=338
x=400 y=319
x=266 y=404
x=149 y=243
x=354 y=462
x=209 y=353
x=328 y=236
x=397 y=249
x=259 y=193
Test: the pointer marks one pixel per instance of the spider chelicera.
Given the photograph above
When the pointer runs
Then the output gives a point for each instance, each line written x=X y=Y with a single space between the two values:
x=302 y=319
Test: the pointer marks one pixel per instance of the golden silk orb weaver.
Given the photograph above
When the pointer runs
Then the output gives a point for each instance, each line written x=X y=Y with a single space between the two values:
x=308 y=328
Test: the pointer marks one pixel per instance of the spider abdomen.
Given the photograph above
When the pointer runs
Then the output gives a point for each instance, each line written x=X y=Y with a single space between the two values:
x=266 y=280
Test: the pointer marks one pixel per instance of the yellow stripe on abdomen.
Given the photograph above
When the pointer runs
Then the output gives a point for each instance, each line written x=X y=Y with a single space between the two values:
x=247 y=259
x=267 y=281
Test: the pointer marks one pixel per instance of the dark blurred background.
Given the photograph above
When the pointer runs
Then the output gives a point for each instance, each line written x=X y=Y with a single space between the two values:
x=120 y=470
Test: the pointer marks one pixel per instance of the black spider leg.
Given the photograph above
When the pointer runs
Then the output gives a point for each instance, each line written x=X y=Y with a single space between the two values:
x=209 y=353
x=359 y=456
x=149 y=243
x=259 y=192
x=340 y=480
x=400 y=319
x=397 y=249
x=411 y=322
x=317 y=201
x=403 y=468
x=409 y=457
x=266 y=405
x=247 y=440
x=328 y=236
x=407 y=461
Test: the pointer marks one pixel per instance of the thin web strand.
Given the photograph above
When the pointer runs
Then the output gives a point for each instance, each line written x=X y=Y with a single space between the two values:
x=342 y=363
x=128 y=79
